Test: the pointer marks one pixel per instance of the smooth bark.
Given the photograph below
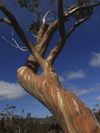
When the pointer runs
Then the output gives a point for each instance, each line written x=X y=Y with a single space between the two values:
x=72 y=114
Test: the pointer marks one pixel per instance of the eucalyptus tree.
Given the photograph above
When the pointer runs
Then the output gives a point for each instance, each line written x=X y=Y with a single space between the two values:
x=72 y=115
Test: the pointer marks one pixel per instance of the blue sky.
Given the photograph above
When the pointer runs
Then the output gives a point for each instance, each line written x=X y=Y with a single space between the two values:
x=78 y=65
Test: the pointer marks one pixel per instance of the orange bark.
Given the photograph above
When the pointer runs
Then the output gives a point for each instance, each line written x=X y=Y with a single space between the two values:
x=72 y=115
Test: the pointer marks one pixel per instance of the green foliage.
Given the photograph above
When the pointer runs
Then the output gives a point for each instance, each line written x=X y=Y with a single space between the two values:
x=33 y=7
x=28 y=3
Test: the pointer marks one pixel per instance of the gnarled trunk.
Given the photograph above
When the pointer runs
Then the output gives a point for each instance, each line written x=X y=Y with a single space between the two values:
x=72 y=115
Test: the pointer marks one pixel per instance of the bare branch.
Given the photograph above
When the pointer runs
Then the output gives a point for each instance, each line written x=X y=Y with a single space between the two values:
x=95 y=4
x=41 y=32
x=47 y=37
x=43 y=40
x=38 y=14
x=21 y=34
x=56 y=50
x=5 y=20
x=44 y=18
x=31 y=61
x=75 y=8
x=15 y=44
x=60 y=18
x=61 y=42
x=70 y=11
x=75 y=26
x=35 y=36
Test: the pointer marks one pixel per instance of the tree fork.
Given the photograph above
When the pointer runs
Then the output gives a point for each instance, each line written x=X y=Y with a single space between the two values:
x=43 y=39
x=72 y=114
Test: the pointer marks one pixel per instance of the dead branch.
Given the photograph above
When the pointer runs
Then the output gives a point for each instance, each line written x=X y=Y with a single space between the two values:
x=5 y=20
x=21 y=34
x=15 y=43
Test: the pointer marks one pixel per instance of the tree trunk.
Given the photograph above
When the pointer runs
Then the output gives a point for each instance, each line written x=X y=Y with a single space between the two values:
x=72 y=115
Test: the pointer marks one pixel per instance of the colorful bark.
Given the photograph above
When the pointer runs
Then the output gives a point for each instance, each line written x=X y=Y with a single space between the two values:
x=72 y=115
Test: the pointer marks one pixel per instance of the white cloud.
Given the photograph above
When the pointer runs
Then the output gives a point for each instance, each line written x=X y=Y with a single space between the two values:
x=97 y=98
x=95 y=61
x=80 y=92
x=10 y=90
x=75 y=75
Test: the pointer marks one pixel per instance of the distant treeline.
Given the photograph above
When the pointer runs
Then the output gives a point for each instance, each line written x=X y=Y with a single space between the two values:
x=10 y=123
x=17 y=124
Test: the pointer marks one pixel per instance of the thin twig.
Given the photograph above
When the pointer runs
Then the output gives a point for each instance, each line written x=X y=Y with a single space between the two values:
x=38 y=14
x=75 y=26
x=5 y=20
x=15 y=44
x=35 y=36
x=44 y=18
x=22 y=35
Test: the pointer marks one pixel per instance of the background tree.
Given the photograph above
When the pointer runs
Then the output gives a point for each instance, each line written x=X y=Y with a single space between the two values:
x=72 y=115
